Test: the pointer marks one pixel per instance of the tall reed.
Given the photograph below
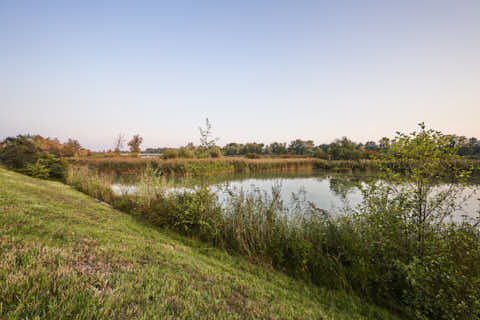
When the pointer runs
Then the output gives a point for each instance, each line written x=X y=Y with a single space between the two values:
x=91 y=182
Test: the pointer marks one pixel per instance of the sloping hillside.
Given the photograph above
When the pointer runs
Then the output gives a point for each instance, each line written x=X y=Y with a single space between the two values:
x=63 y=255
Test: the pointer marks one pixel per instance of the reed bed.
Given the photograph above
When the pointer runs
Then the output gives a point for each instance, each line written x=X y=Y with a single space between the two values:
x=208 y=167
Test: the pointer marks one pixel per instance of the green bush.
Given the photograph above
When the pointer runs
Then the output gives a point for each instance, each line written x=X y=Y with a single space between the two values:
x=37 y=169
x=58 y=168
x=170 y=154
x=18 y=152
x=185 y=153
x=445 y=282
x=193 y=213
x=22 y=154
x=215 y=152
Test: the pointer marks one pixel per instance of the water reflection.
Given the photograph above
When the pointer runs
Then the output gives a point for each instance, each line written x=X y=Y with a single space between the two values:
x=341 y=186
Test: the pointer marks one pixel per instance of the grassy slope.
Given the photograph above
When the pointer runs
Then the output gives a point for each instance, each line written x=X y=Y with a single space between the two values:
x=64 y=255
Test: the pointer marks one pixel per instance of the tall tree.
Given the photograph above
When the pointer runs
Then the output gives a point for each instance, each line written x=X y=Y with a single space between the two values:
x=135 y=143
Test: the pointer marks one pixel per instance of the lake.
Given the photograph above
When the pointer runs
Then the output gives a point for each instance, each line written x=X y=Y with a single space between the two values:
x=326 y=190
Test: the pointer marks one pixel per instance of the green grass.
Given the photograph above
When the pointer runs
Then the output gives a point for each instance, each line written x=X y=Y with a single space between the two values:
x=64 y=255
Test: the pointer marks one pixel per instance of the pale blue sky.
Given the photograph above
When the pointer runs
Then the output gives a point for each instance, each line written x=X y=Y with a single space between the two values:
x=260 y=70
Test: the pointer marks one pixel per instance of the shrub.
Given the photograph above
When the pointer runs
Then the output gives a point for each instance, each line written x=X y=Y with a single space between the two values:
x=411 y=253
x=215 y=152
x=18 y=152
x=195 y=213
x=58 y=169
x=170 y=154
x=37 y=169
x=446 y=280
x=22 y=154
x=185 y=153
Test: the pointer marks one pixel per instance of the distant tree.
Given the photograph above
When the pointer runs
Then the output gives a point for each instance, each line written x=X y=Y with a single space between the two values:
x=71 y=148
x=52 y=146
x=253 y=147
x=232 y=149
x=301 y=147
x=344 y=149
x=319 y=153
x=119 y=143
x=475 y=145
x=206 y=138
x=384 y=144
x=190 y=146
x=278 y=148
x=135 y=143
x=267 y=149
x=154 y=150
x=324 y=147
x=371 y=146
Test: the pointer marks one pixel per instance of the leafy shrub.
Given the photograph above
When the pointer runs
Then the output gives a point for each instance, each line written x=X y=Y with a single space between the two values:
x=411 y=255
x=37 y=169
x=58 y=168
x=215 y=152
x=22 y=154
x=185 y=153
x=170 y=154
x=197 y=213
x=18 y=152
x=446 y=281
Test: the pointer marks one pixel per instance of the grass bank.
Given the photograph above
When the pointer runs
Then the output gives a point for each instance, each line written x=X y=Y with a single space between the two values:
x=64 y=255
x=206 y=167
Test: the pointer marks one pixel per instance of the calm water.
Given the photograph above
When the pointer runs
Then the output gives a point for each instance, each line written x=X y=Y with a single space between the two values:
x=329 y=191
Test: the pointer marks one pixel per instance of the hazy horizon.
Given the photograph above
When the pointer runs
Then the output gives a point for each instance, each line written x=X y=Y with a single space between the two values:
x=260 y=71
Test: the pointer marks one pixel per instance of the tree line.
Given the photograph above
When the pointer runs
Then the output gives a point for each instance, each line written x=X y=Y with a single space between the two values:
x=340 y=149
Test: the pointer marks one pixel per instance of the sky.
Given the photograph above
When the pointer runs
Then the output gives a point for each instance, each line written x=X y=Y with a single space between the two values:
x=259 y=70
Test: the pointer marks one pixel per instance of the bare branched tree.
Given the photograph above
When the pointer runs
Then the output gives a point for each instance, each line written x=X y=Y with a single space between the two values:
x=206 y=139
x=119 y=142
